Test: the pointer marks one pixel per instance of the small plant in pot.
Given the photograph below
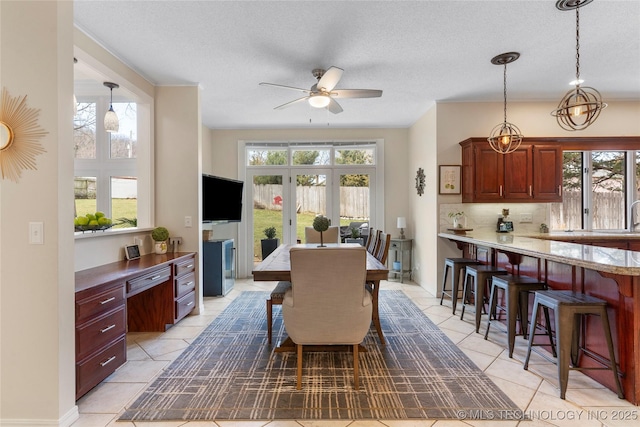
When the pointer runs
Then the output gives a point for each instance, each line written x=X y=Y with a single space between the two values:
x=160 y=236
x=270 y=243
x=321 y=224
x=356 y=237
x=457 y=219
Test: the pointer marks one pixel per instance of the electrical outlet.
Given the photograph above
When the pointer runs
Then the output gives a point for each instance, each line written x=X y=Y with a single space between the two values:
x=187 y=221
x=526 y=217
x=175 y=240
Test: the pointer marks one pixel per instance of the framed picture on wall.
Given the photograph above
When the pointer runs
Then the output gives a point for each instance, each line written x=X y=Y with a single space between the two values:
x=450 y=179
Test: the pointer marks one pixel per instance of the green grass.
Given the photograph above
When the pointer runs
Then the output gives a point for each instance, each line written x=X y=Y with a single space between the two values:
x=263 y=218
x=121 y=208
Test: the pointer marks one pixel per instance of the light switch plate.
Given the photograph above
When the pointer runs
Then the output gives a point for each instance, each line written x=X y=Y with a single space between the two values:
x=36 y=233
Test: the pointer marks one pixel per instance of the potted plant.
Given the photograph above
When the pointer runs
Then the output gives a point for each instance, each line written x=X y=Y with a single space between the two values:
x=356 y=237
x=320 y=224
x=160 y=236
x=270 y=243
x=457 y=223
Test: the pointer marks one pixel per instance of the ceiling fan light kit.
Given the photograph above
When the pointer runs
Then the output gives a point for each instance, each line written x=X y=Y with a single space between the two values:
x=506 y=137
x=581 y=106
x=322 y=94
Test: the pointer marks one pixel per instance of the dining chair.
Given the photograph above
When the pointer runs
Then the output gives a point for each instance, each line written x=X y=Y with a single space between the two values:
x=332 y=235
x=327 y=304
x=382 y=248
x=372 y=241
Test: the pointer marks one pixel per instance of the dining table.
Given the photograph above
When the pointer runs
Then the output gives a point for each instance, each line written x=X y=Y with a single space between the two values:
x=277 y=267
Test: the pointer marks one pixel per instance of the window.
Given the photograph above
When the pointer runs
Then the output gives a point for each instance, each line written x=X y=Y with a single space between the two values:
x=596 y=194
x=106 y=163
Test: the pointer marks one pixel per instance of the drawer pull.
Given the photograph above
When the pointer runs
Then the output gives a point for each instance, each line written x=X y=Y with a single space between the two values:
x=530 y=191
x=108 y=328
x=106 y=362
x=107 y=300
x=189 y=303
x=188 y=283
x=154 y=277
x=189 y=266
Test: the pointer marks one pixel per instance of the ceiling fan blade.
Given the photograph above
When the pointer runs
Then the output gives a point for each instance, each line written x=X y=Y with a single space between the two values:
x=290 y=103
x=285 y=87
x=330 y=78
x=356 y=93
x=334 y=107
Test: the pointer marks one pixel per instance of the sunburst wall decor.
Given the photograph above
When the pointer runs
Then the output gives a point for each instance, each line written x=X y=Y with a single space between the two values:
x=19 y=135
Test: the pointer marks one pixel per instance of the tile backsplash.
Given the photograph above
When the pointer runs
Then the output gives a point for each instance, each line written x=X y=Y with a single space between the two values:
x=484 y=216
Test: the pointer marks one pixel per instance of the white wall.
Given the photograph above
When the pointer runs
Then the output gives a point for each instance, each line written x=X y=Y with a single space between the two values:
x=37 y=358
x=458 y=121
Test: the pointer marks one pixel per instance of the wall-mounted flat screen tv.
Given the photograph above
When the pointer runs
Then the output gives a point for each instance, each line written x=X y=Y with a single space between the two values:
x=221 y=199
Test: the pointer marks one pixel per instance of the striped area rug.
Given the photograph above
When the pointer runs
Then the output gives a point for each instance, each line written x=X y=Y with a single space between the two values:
x=230 y=373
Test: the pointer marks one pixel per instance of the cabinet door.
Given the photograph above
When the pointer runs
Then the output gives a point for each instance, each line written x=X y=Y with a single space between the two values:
x=547 y=173
x=518 y=174
x=468 y=172
x=489 y=173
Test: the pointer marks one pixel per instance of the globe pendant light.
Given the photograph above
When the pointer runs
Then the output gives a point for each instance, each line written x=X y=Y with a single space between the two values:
x=111 y=123
x=506 y=137
x=579 y=107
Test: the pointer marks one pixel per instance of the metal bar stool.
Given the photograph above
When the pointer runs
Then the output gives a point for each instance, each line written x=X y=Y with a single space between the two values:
x=478 y=274
x=569 y=309
x=458 y=265
x=275 y=298
x=516 y=299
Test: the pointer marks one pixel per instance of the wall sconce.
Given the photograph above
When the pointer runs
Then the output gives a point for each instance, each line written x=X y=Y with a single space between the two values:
x=111 y=123
x=402 y=223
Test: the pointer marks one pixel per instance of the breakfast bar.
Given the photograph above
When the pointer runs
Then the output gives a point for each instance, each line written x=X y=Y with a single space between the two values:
x=607 y=273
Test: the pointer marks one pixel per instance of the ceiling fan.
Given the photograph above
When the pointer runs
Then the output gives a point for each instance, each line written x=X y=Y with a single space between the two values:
x=323 y=95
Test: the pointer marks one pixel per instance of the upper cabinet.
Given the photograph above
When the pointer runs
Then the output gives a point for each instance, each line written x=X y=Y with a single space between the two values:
x=532 y=173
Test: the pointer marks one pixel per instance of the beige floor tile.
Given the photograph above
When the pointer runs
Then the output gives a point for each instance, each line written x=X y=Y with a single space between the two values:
x=95 y=420
x=478 y=343
x=242 y=423
x=182 y=332
x=325 y=423
x=408 y=423
x=615 y=416
x=455 y=336
x=481 y=360
x=109 y=398
x=520 y=394
x=558 y=412
x=137 y=371
x=135 y=352
x=157 y=348
x=595 y=397
x=508 y=370
x=282 y=423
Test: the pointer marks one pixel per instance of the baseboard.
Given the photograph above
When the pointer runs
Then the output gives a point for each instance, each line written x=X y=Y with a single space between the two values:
x=65 y=421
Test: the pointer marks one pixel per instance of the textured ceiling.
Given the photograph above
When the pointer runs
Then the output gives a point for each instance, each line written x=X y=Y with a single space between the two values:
x=417 y=52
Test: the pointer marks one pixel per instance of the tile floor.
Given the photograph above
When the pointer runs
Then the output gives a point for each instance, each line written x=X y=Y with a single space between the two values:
x=587 y=403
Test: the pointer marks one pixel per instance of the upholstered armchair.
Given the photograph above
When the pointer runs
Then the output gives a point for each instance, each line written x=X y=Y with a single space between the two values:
x=327 y=303
x=332 y=235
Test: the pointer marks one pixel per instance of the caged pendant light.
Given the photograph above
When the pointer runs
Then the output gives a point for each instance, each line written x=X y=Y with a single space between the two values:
x=111 y=123
x=579 y=107
x=506 y=137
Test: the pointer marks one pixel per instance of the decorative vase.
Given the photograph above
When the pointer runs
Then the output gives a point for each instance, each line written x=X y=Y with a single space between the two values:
x=161 y=247
x=456 y=222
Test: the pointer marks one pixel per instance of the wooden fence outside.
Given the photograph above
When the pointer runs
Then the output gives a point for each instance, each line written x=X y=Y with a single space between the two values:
x=608 y=211
x=354 y=201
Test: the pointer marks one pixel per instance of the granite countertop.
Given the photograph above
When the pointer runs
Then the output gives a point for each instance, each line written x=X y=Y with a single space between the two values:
x=609 y=260
x=591 y=236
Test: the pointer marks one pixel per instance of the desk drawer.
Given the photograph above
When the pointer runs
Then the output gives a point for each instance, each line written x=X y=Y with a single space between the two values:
x=185 y=284
x=92 y=371
x=149 y=280
x=185 y=266
x=99 y=303
x=184 y=305
x=100 y=332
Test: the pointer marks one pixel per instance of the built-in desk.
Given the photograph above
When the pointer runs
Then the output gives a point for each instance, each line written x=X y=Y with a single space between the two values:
x=607 y=273
x=148 y=294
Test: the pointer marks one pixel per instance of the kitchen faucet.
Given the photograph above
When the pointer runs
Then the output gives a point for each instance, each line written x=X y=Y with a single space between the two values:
x=631 y=222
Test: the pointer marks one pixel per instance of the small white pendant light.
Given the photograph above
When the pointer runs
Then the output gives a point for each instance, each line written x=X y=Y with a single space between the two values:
x=506 y=137
x=111 y=123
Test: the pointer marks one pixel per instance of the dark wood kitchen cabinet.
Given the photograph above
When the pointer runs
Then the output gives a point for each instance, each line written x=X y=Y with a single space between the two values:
x=532 y=173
